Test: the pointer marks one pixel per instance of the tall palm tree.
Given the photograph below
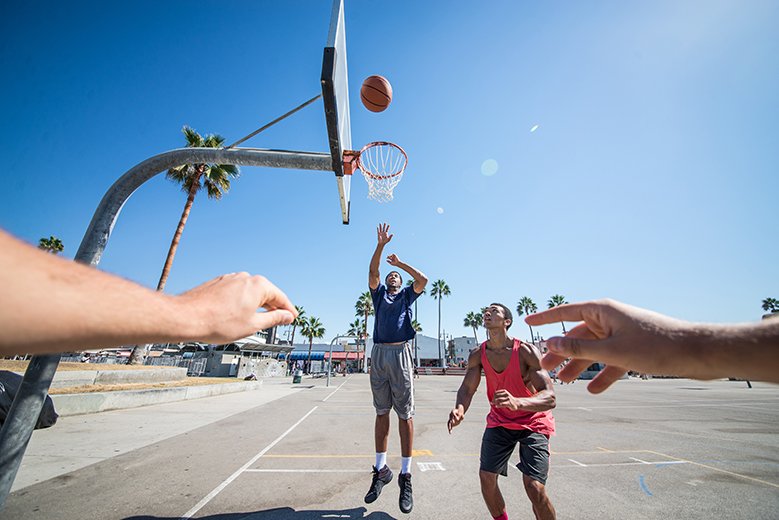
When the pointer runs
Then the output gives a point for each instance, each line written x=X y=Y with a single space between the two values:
x=192 y=177
x=297 y=322
x=364 y=308
x=51 y=245
x=311 y=328
x=410 y=283
x=356 y=328
x=526 y=306
x=553 y=302
x=771 y=305
x=473 y=320
x=439 y=290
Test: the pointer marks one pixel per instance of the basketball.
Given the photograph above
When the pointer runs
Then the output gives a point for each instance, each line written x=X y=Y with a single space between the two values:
x=376 y=93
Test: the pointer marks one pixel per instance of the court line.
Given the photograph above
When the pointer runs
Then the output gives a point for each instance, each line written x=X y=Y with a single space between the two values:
x=717 y=469
x=243 y=468
x=334 y=391
x=363 y=470
x=643 y=485
x=579 y=463
x=639 y=460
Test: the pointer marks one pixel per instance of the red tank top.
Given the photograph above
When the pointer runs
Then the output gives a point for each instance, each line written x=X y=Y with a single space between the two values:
x=511 y=379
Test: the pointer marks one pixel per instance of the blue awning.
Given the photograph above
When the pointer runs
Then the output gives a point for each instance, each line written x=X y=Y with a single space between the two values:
x=296 y=355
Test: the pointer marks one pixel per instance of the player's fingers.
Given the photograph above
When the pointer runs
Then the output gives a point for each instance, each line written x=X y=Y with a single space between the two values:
x=572 y=370
x=567 y=312
x=266 y=320
x=605 y=379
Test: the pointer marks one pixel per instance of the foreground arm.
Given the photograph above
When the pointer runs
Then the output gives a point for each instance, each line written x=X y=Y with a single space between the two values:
x=468 y=387
x=382 y=238
x=626 y=337
x=540 y=385
x=49 y=304
x=420 y=280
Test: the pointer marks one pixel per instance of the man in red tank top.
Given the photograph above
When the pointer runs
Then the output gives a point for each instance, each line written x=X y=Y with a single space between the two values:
x=521 y=397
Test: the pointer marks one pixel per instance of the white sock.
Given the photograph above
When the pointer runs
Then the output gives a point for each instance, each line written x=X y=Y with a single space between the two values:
x=405 y=464
x=381 y=460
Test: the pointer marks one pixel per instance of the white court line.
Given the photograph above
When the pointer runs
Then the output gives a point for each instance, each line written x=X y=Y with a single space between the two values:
x=613 y=464
x=363 y=470
x=334 y=391
x=639 y=460
x=243 y=468
x=579 y=463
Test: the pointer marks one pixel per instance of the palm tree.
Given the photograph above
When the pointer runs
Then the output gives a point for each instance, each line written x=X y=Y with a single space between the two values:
x=553 y=302
x=193 y=177
x=771 y=305
x=473 y=320
x=51 y=245
x=410 y=283
x=356 y=328
x=311 y=328
x=440 y=289
x=364 y=308
x=526 y=306
x=297 y=322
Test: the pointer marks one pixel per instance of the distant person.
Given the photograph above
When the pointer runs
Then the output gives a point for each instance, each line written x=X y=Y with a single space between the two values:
x=391 y=374
x=629 y=338
x=50 y=305
x=521 y=397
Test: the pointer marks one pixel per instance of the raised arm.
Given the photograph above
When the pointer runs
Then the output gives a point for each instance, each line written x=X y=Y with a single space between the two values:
x=382 y=238
x=468 y=387
x=626 y=337
x=420 y=280
x=49 y=304
x=540 y=385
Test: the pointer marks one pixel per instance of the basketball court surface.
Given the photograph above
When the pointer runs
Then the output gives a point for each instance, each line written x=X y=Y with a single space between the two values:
x=656 y=449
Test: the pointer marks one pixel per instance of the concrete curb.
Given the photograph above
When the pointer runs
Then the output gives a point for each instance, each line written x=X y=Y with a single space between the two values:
x=68 y=378
x=78 y=404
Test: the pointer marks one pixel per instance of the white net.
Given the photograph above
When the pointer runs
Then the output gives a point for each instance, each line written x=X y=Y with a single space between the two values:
x=382 y=164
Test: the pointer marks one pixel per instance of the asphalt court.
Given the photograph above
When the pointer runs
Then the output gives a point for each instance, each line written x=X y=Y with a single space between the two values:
x=645 y=449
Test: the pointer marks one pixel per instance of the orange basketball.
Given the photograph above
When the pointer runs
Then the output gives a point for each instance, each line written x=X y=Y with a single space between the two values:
x=376 y=93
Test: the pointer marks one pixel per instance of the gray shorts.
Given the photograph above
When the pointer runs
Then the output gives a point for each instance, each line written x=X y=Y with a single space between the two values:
x=497 y=445
x=392 y=379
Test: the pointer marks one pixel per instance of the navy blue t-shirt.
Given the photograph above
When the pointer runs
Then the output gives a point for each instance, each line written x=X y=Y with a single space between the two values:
x=393 y=314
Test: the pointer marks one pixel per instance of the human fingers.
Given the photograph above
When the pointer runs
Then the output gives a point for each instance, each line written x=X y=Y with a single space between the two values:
x=566 y=312
x=271 y=297
x=266 y=320
x=605 y=379
x=551 y=360
x=572 y=370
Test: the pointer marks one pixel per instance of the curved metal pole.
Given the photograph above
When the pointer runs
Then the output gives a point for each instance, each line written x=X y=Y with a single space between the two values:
x=23 y=415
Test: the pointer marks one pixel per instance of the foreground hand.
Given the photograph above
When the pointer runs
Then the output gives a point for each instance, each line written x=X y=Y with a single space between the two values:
x=619 y=335
x=225 y=308
x=503 y=399
x=382 y=234
x=455 y=418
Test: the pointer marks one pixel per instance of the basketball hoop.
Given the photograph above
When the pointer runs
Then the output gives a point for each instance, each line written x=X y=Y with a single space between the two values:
x=382 y=164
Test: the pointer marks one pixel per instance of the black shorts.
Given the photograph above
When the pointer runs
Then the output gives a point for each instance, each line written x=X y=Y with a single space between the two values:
x=497 y=445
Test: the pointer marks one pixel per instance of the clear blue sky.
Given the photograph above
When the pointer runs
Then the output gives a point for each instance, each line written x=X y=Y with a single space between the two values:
x=651 y=178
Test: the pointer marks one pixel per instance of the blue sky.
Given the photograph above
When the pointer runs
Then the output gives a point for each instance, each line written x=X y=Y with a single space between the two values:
x=651 y=178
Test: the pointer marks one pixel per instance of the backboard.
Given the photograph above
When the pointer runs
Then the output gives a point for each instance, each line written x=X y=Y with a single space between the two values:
x=335 y=94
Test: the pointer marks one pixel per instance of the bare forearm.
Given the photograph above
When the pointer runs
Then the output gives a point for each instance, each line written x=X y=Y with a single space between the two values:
x=749 y=351
x=51 y=305
x=373 y=269
x=464 y=398
x=415 y=273
x=541 y=402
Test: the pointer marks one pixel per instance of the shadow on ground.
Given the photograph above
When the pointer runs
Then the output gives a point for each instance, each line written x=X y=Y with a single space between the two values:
x=284 y=513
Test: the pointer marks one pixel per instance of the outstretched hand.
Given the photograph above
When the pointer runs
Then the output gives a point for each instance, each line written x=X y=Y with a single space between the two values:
x=382 y=234
x=226 y=307
x=393 y=260
x=619 y=335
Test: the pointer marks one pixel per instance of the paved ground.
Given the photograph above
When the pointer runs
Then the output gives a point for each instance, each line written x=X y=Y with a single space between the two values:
x=658 y=449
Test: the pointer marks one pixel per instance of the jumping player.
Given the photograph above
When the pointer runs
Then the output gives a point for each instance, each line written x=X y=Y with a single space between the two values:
x=521 y=397
x=392 y=366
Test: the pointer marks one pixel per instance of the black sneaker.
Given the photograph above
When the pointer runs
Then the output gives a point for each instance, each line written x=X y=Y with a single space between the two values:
x=406 y=501
x=380 y=478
